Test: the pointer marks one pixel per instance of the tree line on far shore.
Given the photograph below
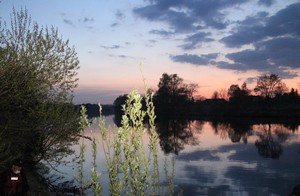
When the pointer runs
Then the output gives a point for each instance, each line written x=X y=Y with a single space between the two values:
x=270 y=98
x=175 y=99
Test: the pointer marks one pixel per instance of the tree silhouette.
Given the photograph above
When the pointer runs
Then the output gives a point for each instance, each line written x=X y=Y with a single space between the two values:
x=119 y=101
x=235 y=92
x=173 y=97
x=215 y=95
x=269 y=85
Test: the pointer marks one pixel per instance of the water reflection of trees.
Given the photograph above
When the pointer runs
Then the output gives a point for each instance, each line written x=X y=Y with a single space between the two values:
x=270 y=139
x=235 y=131
x=174 y=134
x=291 y=126
x=270 y=136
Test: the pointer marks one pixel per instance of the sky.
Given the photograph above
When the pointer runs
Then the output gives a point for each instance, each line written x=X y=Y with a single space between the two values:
x=212 y=43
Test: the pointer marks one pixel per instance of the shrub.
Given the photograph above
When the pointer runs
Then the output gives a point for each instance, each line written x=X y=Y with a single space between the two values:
x=131 y=170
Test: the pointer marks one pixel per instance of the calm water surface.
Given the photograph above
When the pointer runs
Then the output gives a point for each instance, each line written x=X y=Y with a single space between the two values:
x=214 y=158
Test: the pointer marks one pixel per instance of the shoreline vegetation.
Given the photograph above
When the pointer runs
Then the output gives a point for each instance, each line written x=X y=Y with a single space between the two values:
x=125 y=152
x=222 y=110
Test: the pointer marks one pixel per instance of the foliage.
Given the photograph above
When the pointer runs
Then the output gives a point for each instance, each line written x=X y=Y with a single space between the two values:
x=5 y=156
x=37 y=74
x=83 y=124
x=96 y=186
x=92 y=110
x=173 y=96
x=119 y=101
x=235 y=92
x=131 y=170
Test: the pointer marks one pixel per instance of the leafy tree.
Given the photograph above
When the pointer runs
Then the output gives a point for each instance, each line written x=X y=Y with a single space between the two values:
x=37 y=75
x=293 y=94
x=173 y=96
x=133 y=167
x=119 y=101
x=269 y=85
x=235 y=91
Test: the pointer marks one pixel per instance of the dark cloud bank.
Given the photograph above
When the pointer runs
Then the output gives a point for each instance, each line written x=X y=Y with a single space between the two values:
x=275 y=38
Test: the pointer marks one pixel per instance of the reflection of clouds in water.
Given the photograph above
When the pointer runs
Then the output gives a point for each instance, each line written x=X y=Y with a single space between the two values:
x=217 y=166
x=208 y=170
x=240 y=171
x=293 y=139
x=274 y=176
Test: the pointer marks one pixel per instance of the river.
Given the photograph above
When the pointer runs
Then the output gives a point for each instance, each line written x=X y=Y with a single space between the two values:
x=214 y=158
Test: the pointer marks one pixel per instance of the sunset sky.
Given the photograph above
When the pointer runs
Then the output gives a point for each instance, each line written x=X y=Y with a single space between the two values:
x=213 y=43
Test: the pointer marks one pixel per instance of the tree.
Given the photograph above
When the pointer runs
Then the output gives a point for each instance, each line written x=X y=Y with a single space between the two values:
x=245 y=90
x=118 y=103
x=293 y=94
x=215 y=95
x=269 y=85
x=235 y=91
x=37 y=75
x=173 y=96
x=223 y=94
x=281 y=89
x=125 y=152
